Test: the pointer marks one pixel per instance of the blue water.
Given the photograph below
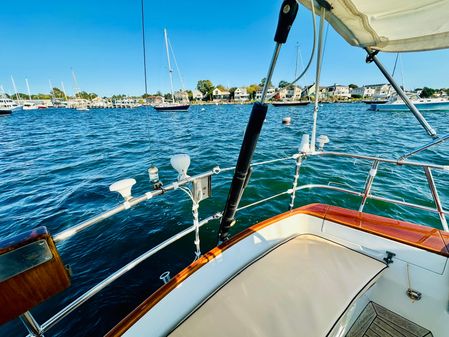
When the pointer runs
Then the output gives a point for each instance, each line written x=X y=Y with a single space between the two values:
x=56 y=166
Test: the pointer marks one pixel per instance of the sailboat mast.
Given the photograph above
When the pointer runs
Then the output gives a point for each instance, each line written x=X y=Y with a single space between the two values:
x=144 y=49
x=52 y=94
x=170 y=70
x=63 y=90
x=75 y=82
x=15 y=89
x=28 y=88
x=296 y=63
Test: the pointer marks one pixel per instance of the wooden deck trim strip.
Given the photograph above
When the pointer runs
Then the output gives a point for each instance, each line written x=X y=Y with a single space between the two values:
x=418 y=236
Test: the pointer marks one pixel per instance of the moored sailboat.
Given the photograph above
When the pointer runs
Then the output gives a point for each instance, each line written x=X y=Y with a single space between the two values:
x=173 y=105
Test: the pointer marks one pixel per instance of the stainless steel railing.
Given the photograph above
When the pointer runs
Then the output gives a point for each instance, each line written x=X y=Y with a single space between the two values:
x=299 y=158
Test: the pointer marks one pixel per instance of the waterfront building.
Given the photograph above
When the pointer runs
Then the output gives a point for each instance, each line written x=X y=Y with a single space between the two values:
x=338 y=91
x=293 y=92
x=181 y=96
x=270 y=93
x=363 y=92
x=220 y=95
x=197 y=95
x=381 y=91
x=241 y=94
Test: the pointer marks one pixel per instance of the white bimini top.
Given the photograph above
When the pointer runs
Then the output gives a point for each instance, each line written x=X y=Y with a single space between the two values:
x=391 y=25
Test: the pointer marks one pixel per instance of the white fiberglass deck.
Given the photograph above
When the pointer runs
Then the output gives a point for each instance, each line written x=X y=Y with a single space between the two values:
x=301 y=288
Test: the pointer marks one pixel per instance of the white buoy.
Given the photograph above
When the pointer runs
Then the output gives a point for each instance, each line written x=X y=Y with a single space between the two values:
x=286 y=120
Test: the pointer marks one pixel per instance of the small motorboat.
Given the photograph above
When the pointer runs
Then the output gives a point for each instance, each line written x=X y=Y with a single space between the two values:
x=424 y=104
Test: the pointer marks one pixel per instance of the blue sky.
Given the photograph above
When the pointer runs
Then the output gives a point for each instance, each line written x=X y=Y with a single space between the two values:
x=229 y=43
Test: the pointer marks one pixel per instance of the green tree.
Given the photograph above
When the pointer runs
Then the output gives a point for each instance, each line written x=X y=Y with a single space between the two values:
x=262 y=82
x=57 y=93
x=86 y=95
x=221 y=87
x=190 y=94
x=40 y=96
x=117 y=97
x=282 y=84
x=206 y=87
x=232 y=92
x=353 y=86
x=426 y=92
x=168 y=97
x=252 y=89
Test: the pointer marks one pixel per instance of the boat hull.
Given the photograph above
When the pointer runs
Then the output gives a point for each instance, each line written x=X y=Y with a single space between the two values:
x=402 y=107
x=280 y=104
x=375 y=101
x=5 y=112
x=183 y=107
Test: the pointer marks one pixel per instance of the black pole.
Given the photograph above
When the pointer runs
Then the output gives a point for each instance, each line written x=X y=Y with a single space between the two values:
x=287 y=15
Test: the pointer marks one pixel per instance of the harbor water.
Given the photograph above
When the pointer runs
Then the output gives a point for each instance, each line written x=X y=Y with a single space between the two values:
x=56 y=167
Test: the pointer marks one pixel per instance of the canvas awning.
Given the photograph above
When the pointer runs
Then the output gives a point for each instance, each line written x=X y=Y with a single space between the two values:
x=391 y=25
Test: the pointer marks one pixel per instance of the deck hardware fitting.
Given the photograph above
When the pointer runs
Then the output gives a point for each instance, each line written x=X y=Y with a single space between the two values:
x=389 y=258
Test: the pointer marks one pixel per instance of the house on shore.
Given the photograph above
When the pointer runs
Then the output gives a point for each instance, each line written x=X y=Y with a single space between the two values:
x=197 y=95
x=293 y=93
x=363 y=92
x=181 y=96
x=220 y=95
x=337 y=91
x=241 y=95
x=271 y=91
x=382 y=91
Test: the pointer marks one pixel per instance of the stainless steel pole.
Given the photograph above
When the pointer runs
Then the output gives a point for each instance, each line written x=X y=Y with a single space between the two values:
x=372 y=57
x=369 y=182
x=436 y=198
x=30 y=323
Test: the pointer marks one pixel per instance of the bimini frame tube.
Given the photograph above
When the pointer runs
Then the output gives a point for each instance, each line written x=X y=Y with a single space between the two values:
x=372 y=57
x=242 y=172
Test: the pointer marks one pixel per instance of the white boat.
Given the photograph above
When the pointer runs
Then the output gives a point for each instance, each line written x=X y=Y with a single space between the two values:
x=172 y=106
x=395 y=103
x=29 y=106
x=8 y=106
x=313 y=271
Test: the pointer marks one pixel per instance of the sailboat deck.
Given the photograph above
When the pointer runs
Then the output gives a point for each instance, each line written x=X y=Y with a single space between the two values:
x=286 y=292
x=376 y=321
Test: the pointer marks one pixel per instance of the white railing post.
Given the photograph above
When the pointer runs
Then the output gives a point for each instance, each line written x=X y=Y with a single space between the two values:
x=369 y=182
x=295 y=181
x=436 y=197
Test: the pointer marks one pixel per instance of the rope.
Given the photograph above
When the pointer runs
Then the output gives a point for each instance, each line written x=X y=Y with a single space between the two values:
x=176 y=65
x=196 y=223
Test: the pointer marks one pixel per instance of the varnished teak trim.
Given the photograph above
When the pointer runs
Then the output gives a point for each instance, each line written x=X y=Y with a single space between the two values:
x=430 y=239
